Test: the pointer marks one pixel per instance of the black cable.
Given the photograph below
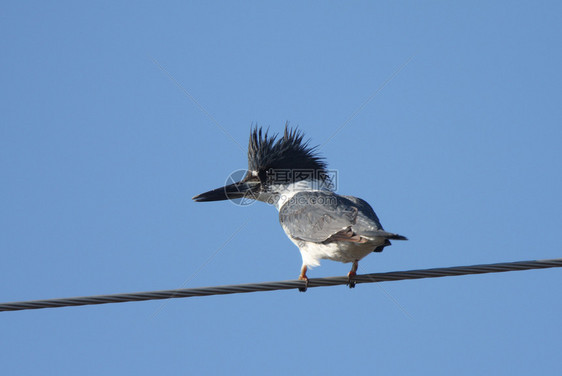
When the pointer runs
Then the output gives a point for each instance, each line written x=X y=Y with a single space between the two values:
x=282 y=285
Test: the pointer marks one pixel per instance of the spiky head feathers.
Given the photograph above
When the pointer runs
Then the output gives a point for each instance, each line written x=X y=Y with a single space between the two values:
x=288 y=153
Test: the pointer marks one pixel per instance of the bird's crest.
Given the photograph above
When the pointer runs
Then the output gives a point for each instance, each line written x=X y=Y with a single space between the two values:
x=290 y=153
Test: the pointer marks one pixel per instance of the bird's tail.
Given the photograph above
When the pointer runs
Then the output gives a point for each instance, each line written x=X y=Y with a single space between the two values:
x=396 y=237
x=386 y=236
x=383 y=234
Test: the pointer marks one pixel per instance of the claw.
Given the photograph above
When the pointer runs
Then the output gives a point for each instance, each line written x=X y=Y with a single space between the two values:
x=303 y=289
x=304 y=278
x=352 y=273
x=350 y=281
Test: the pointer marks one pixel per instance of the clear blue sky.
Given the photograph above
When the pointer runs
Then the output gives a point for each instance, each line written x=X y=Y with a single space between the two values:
x=101 y=152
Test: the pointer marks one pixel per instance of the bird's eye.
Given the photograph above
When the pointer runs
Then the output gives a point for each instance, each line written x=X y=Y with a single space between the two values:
x=263 y=175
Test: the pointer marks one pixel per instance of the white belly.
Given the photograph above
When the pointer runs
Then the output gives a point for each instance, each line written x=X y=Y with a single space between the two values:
x=344 y=252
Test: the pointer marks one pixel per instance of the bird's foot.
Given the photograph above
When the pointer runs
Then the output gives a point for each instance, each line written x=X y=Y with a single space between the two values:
x=350 y=279
x=305 y=279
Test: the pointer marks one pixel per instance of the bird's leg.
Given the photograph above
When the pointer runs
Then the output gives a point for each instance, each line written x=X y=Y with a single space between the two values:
x=304 y=278
x=352 y=273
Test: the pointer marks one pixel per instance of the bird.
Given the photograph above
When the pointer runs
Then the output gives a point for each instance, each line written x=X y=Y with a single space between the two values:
x=284 y=171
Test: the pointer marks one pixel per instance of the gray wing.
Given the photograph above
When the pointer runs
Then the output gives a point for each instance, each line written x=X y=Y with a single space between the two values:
x=367 y=220
x=322 y=217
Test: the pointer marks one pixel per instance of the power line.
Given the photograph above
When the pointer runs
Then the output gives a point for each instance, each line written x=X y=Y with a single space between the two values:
x=282 y=285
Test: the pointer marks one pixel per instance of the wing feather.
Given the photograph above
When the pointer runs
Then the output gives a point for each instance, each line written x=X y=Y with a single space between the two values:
x=319 y=217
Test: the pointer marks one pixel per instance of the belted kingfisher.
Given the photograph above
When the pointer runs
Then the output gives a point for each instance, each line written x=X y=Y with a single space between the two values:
x=289 y=174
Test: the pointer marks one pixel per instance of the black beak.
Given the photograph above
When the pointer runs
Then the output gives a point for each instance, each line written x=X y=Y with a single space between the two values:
x=240 y=189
